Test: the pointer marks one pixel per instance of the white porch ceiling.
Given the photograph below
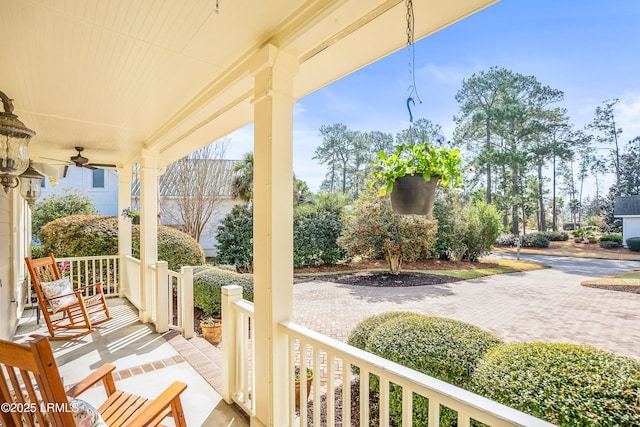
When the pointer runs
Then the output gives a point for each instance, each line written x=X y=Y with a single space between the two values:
x=118 y=76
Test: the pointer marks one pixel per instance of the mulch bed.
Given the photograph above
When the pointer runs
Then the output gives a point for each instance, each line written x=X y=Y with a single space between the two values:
x=620 y=288
x=380 y=279
x=375 y=273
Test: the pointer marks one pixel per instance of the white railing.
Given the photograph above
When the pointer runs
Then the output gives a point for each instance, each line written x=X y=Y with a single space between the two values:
x=173 y=299
x=342 y=373
x=88 y=270
x=131 y=288
x=238 y=350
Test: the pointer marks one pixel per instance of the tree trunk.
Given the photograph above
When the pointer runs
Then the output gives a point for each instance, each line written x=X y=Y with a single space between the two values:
x=394 y=261
x=542 y=225
x=488 y=147
x=554 y=214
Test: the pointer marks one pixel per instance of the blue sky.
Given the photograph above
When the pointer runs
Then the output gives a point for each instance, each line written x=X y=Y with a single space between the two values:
x=590 y=49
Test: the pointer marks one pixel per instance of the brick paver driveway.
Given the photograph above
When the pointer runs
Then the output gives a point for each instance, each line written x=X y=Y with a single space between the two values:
x=542 y=305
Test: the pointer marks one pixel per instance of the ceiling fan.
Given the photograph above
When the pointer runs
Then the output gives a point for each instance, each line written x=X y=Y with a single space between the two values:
x=82 y=162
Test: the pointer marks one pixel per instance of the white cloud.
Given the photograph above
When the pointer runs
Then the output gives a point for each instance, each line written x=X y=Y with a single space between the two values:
x=628 y=116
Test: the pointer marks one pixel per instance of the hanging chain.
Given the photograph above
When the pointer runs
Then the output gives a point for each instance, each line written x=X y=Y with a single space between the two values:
x=413 y=92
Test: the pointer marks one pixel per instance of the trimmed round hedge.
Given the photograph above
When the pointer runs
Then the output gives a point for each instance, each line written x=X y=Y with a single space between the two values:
x=567 y=384
x=208 y=283
x=360 y=333
x=92 y=235
x=443 y=348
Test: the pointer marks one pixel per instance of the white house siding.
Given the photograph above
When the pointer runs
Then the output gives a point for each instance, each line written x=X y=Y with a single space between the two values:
x=80 y=180
x=208 y=238
x=630 y=228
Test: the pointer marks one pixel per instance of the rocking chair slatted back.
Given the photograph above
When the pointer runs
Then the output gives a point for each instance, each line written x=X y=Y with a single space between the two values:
x=30 y=383
x=76 y=314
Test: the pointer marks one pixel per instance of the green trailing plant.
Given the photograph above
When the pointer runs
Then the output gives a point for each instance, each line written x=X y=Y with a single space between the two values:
x=566 y=384
x=422 y=159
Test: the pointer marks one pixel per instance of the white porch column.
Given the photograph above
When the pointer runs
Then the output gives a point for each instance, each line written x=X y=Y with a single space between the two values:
x=124 y=225
x=149 y=172
x=272 y=230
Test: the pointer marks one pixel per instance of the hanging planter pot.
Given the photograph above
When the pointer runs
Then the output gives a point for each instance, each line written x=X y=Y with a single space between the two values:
x=412 y=194
x=402 y=176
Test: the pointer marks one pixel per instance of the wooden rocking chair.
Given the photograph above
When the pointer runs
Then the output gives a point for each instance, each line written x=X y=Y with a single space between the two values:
x=63 y=307
x=32 y=393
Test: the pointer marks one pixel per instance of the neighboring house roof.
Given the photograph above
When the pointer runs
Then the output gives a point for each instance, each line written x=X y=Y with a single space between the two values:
x=625 y=206
x=167 y=188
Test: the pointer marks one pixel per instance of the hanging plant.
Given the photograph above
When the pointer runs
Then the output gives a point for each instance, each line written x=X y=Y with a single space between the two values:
x=415 y=160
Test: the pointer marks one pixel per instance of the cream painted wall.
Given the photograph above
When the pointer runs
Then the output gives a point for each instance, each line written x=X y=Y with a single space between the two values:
x=14 y=237
x=630 y=228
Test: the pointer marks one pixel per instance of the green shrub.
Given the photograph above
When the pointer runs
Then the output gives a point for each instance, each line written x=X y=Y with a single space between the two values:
x=91 y=235
x=227 y=267
x=464 y=230
x=373 y=230
x=617 y=238
x=207 y=288
x=316 y=229
x=507 y=239
x=443 y=348
x=235 y=238
x=567 y=384
x=609 y=245
x=37 y=252
x=57 y=206
x=359 y=335
x=633 y=243
x=555 y=236
x=481 y=228
x=535 y=240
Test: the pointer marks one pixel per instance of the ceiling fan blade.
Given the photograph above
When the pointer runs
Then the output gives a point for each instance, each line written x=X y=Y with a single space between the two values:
x=103 y=165
x=89 y=166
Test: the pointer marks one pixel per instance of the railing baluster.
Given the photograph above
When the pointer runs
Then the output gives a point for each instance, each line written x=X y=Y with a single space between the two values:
x=384 y=402
x=346 y=391
x=407 y=406
x=331 y=391
x=364 y=397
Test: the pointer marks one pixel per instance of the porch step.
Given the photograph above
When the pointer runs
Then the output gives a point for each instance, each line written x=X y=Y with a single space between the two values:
x=204 y=357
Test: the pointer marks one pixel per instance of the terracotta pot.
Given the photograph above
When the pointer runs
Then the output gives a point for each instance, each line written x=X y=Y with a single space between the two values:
x=413 y=195
x=213 y=334
x=309 y=381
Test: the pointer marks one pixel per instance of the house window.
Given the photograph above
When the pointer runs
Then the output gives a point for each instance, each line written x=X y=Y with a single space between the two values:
x=42 y=183
x=98 y=178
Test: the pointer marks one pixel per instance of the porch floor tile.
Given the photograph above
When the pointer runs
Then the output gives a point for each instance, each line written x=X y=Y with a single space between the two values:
x=146 y=363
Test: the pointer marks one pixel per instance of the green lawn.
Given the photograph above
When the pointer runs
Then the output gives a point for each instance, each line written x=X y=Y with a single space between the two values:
x=630 y=278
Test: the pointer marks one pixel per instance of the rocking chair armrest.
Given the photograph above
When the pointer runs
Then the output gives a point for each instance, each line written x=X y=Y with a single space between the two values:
x=156 y=408
x=103 y=373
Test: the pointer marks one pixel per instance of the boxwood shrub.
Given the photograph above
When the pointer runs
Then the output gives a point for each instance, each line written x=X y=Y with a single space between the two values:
x=617 y=238
x=567 y=384
x=633 y=243
x=443 y=348
x=208 y=283
x=535 y=240
x=507 y=239
x=360 y=333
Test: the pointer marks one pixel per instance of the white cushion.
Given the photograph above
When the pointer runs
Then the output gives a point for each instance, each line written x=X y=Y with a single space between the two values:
x=57 y=288
x=85 y=415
